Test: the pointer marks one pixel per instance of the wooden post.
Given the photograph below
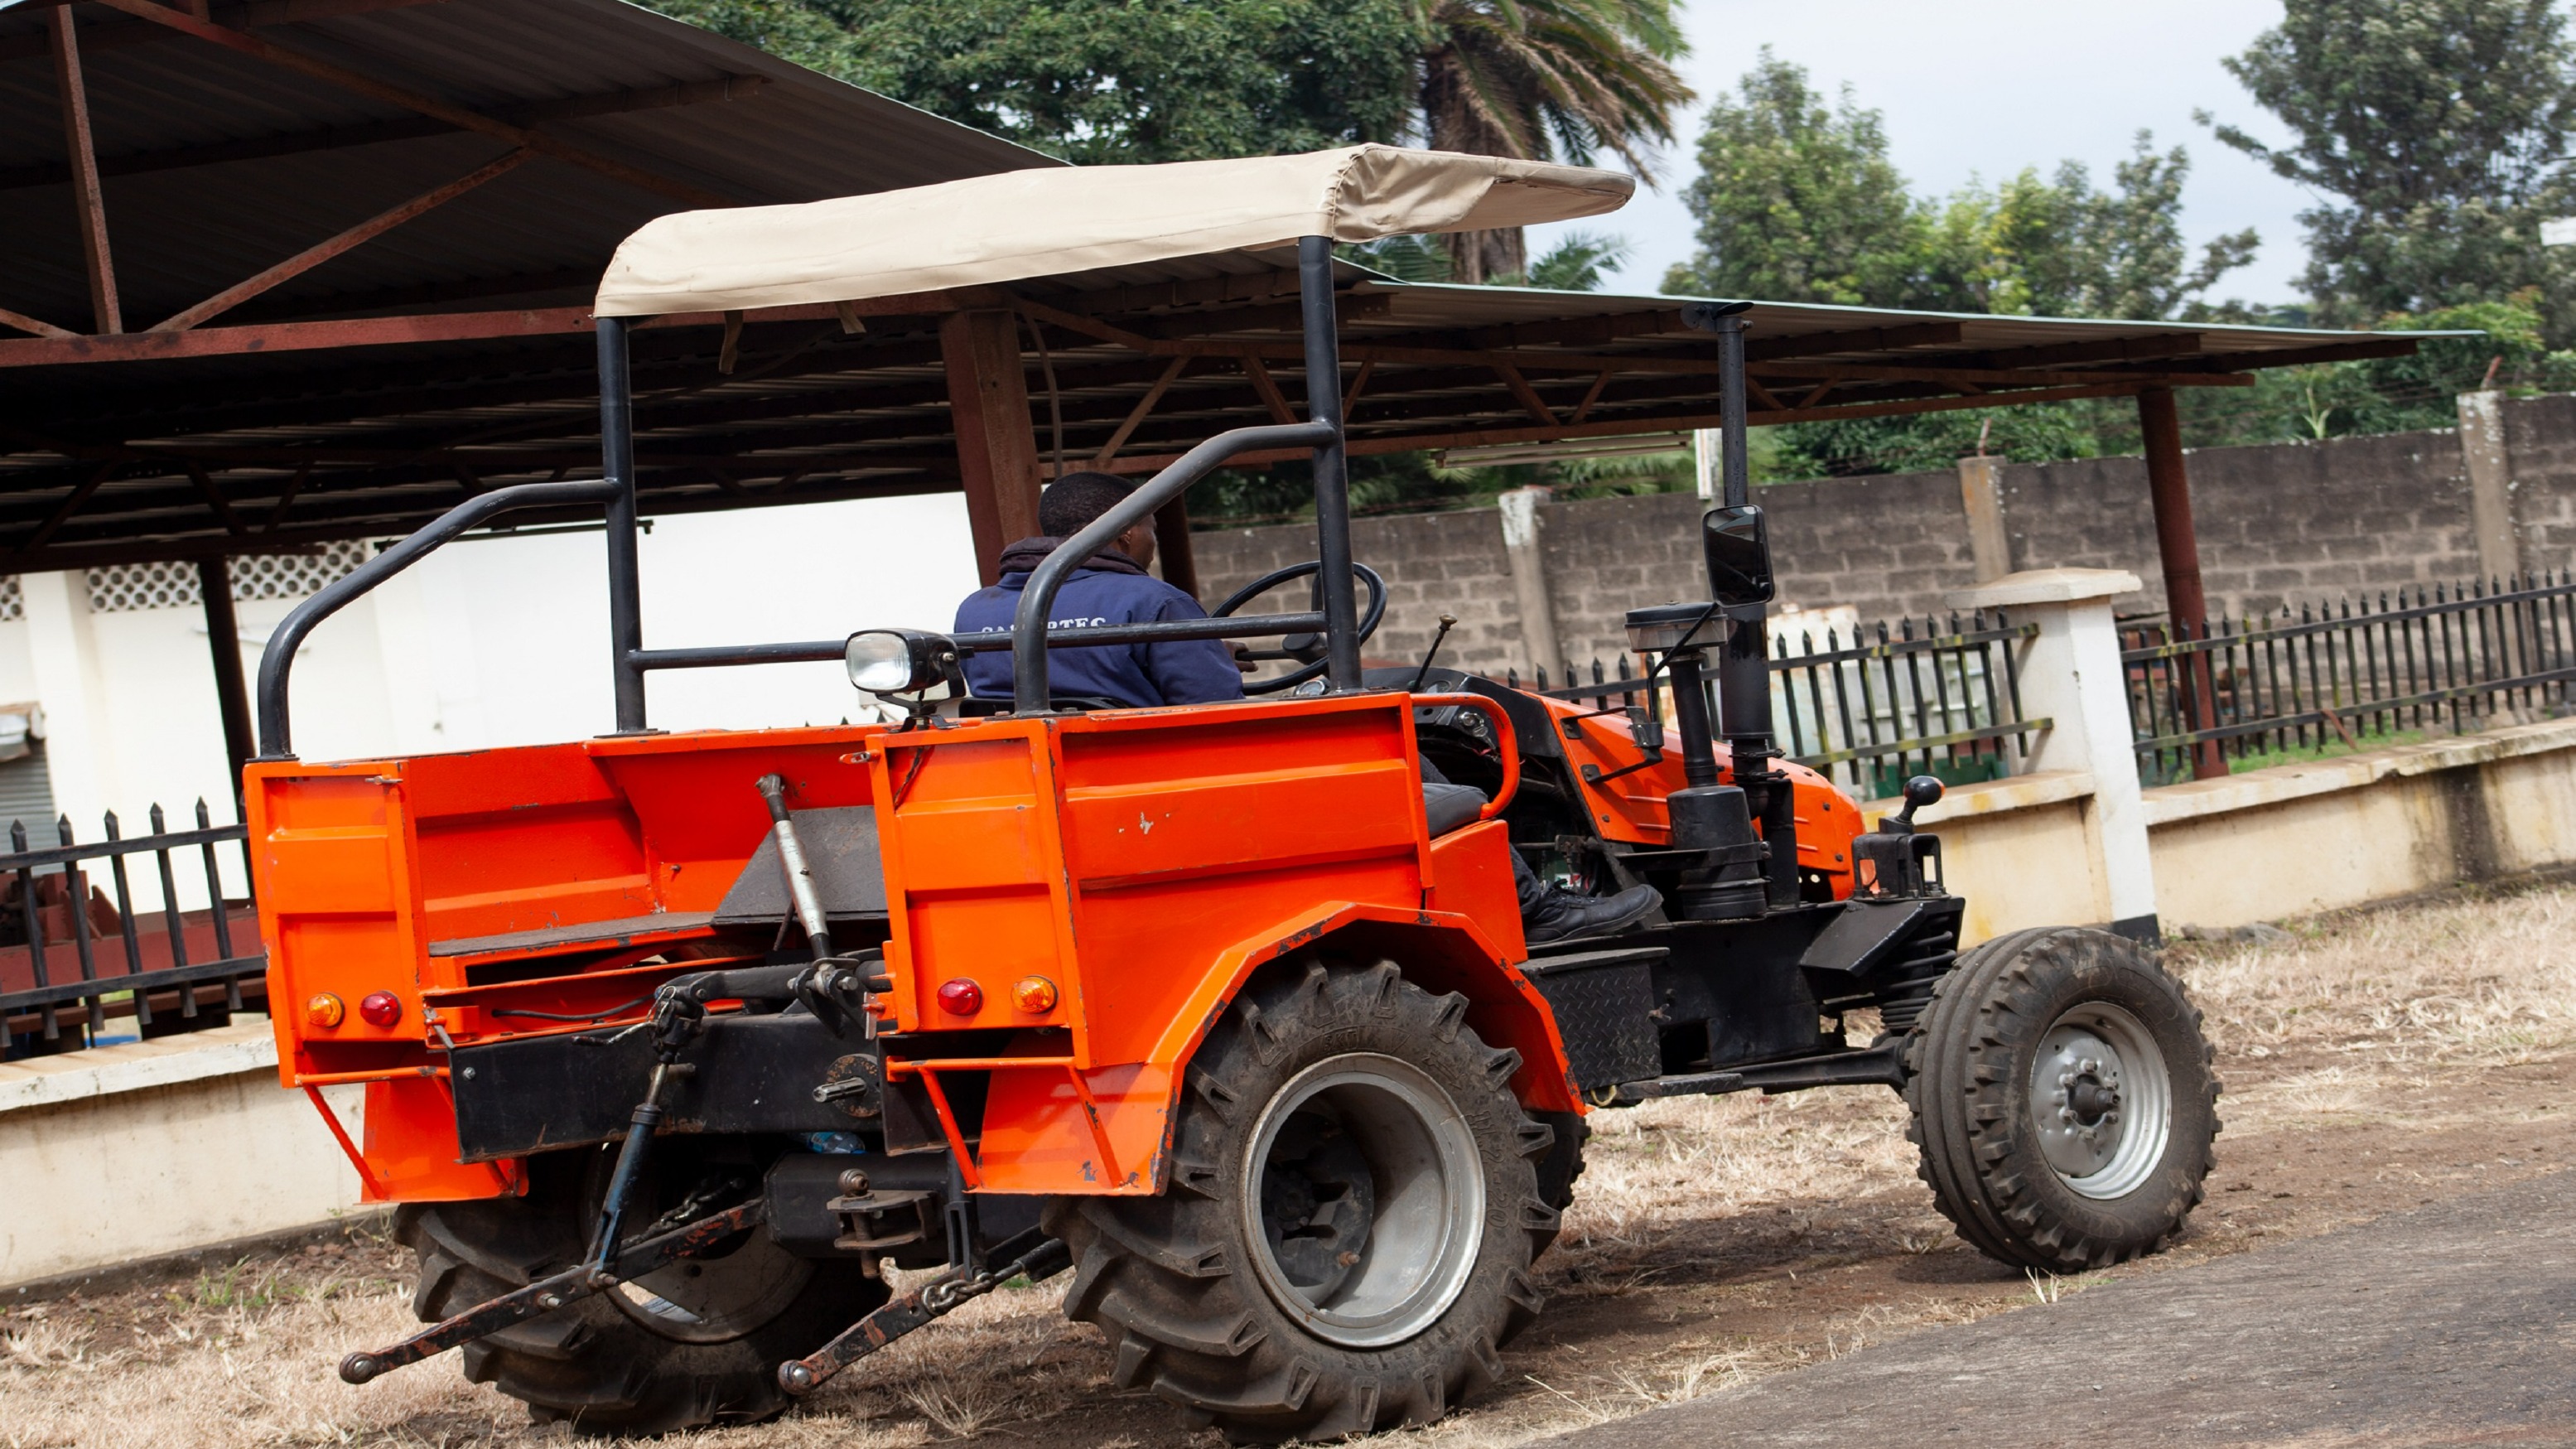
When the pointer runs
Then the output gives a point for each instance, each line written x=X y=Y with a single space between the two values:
x=223 y=637
x=2178 y=549
x=84 y=164
x=1172 y=546
x=997 y=450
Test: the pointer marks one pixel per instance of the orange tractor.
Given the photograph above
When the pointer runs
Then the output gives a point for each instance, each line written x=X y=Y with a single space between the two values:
x=674 y=1043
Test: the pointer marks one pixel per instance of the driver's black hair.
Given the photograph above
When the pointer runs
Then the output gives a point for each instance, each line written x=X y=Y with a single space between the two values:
x=1075 y=501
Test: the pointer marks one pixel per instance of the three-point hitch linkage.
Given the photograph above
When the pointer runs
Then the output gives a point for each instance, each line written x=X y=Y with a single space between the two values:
x=834 y=988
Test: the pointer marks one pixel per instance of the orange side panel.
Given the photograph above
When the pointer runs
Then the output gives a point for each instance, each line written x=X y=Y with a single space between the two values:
x=411 y=1145
x=973 y=874
x=1038 y=1135
x=1471 y=875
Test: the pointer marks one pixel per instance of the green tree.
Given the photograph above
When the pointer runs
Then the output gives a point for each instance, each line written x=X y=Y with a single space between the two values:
x=1545 y=80
x=2061 y=248
x=1103 y=81
x=1797 y=200
x=2439 y=127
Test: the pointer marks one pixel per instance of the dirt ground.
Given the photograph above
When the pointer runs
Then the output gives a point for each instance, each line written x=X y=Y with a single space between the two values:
x=2374 y=1061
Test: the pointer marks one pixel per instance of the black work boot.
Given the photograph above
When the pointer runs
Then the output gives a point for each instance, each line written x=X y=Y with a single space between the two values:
x=1560 y=915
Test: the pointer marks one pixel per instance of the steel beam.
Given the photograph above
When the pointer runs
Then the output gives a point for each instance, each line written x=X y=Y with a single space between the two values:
x=348 y=239
x=24 y=323
x=376 y=133
x=82 y=158
x=391 y=331
x=131 y=33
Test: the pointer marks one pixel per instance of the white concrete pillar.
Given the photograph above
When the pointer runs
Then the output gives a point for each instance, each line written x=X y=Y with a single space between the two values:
x=2070 y=674
x=2489 y=464
x=80 y=758
x=1529 y=575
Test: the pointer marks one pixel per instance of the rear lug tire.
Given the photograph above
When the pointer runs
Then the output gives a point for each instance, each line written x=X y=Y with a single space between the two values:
x=689 y=1346
x=1356 y=1201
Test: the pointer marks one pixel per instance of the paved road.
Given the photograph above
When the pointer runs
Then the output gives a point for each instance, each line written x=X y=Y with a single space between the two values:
x=2451 y=1324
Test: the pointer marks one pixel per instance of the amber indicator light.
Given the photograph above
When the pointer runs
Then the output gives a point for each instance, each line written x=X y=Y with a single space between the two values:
x=324 y=1010
x=1034 y=994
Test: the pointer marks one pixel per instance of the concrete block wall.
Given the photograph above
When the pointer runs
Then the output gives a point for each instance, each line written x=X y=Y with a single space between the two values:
x=2540 y=439
x=2287 y=524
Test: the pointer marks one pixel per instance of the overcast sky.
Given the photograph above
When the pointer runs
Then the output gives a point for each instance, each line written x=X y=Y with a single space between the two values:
x=1987 y=87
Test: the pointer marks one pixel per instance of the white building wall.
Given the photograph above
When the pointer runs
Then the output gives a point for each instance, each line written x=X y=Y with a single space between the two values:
x=488 y=642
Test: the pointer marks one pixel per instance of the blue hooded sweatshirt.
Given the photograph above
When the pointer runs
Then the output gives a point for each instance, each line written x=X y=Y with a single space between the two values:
x=1110 y=589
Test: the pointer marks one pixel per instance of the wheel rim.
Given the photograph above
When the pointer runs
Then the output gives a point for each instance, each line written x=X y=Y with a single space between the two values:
x=1364 y=1198
x=713 y=1300
x=2102 y=1099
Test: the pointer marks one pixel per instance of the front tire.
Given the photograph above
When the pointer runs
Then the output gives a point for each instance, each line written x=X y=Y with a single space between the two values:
x=2063 y=1099
x=691 y=1345
x=1355 y=1200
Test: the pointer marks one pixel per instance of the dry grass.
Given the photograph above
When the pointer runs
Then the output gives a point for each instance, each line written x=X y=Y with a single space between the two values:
x=2482 y=979
x=1703 y=1251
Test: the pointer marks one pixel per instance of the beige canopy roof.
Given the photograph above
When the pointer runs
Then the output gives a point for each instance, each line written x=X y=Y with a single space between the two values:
x=1022 y=224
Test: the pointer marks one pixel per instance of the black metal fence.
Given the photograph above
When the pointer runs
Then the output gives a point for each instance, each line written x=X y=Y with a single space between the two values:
x=72 y=958
x=2444 y=660
x=1870 y=710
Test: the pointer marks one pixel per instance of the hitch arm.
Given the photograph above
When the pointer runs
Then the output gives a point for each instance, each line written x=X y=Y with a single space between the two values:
x=548 y=1294
x=1038 y=1256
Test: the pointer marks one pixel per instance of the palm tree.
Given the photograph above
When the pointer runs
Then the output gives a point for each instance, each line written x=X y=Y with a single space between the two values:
x=1546 y=80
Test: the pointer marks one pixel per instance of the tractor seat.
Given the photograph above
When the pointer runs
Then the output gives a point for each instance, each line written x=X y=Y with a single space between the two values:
x=1449 y=806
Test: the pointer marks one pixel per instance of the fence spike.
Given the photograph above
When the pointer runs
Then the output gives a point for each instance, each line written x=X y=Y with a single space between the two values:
x=18 y=836
x=63 y=829
x=160 y=824
x=205 y=821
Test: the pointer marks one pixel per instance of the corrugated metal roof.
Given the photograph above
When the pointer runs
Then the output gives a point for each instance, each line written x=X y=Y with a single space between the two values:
x=182 y=232
x=106 y=461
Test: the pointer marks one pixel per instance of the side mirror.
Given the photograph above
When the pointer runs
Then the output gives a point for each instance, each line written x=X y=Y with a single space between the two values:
x=1738 y=547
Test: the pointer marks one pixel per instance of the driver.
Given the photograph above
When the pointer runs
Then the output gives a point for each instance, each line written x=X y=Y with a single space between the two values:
x=1112 y=587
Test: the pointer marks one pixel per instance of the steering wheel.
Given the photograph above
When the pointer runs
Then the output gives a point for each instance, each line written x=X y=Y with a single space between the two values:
x=1308 y=649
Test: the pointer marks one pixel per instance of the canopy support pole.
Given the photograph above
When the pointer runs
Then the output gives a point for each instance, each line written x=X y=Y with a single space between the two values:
x=617 y=469
x=232 y=690
x=2178 y=549
x=997 y=449
x=1332 y=478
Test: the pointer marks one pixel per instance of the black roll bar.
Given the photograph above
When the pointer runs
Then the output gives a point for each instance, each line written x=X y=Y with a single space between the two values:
x=276 y=730
x=630 y=661
x=815 y=651
x=1029 y=666
x=1322 y=432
